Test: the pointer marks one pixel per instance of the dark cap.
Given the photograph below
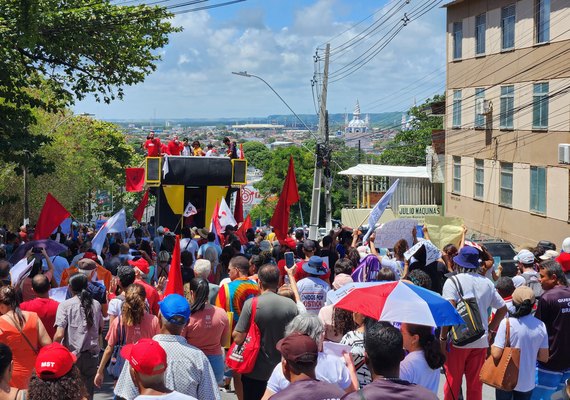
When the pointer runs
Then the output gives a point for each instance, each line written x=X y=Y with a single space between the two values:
x=298 y=348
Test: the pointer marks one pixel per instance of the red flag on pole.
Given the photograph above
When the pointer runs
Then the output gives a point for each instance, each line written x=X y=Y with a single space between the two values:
x=243 y=229
x=52 y=214
x=139 y=211
x=289 y=195
x=135 y=179
x=238 y=209
x=175 y=284
x=241 y=155
x=215 y=225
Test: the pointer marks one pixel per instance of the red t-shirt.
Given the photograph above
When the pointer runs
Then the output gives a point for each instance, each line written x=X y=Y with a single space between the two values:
x=175 y=147
x=46 y=310
x=299 y=273
x=153 y=147
x=164 y=149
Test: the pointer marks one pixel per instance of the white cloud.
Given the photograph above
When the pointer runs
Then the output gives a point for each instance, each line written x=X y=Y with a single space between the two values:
x=194 y=79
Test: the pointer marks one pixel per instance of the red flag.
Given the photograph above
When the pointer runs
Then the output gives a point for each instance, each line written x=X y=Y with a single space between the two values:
x=135 y=179
x=238 y=209
x=215 y=225
x=241 y=155
x=243 y=229
x=138 y=213
x=289 y=195
x=52 y=214
x=175 y=284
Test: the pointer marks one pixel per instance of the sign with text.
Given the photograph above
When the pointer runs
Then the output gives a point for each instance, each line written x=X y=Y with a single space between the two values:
x=444 y=230
x=392 y=231
x=418 y=212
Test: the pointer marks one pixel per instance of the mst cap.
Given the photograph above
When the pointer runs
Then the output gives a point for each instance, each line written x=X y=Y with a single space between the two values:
x=173 y=306
x=90 y=256
x=54 y=361
x=146 y=357
x=298 y=348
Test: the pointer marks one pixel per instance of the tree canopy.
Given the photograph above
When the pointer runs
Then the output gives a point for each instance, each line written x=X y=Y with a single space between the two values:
x=409 y=146
x=70 y=49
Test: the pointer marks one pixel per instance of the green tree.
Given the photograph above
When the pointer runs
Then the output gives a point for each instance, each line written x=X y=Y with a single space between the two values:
x=409 y=146
x=257 y=154
x=72 y=48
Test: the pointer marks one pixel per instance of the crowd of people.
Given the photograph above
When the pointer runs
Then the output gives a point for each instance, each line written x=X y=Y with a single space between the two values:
x=155 y=148
x=79 y=317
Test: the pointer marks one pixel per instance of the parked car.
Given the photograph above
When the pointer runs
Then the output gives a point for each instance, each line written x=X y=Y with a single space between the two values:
x=506 y=251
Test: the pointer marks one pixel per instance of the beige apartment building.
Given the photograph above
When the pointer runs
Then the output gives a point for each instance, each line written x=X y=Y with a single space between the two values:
x=507 y=113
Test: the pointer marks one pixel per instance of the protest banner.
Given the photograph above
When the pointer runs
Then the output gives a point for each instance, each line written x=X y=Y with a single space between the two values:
x=444 y=230
x=392 y=231
x=418 y=212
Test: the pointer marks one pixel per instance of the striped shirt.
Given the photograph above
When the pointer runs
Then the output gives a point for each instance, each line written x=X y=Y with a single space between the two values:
x=188 y=371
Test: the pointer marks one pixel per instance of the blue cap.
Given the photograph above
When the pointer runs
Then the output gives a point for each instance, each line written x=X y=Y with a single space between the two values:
x=315 y=266
x=468 y=257
x=173 y=306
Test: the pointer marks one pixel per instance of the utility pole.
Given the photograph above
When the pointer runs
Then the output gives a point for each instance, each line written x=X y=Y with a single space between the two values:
x=328 y=177
x=317 y=179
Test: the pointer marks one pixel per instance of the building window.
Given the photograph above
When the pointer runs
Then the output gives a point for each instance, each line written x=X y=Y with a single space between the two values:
x=479 y=108
x=480 y=30
x=538 y=190
x=456 y=123
x=542 y=21
x=507 y=107
x=479 y=179
x=506 y=192
x=456 y=175
x=508 y=27
x=457 y=39
x=540 y=106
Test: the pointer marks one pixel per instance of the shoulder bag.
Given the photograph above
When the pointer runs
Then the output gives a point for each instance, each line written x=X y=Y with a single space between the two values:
x=241 y=357
x=502 y=374
x=34 y=349
x=117 y=361
x=472 y=327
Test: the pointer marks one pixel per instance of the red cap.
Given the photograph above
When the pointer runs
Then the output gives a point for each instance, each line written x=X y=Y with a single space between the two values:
x=141 y=264
x=298 y=348
x=564 y=260
x=91 y=256
x=145 y=356
x=54 y=361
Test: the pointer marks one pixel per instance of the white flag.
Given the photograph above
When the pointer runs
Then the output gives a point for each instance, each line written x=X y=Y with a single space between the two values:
x=165 y=168
x=225 y=215
x=20 y=271
x=190 y=210
x=116 y=224
x=378 y=209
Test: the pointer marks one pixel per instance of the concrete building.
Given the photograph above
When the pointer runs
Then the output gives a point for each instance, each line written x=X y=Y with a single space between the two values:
x=508 y=110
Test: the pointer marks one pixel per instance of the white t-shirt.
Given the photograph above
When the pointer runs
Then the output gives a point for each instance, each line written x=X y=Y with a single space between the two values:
x=115 y=306
x=189 y=245
x=329 y=369
x=414 y=368
x=170 y=396
x=313 y=293
x=528 y=334
x=481 y=288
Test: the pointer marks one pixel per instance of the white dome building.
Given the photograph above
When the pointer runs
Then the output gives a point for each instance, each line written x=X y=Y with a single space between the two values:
x=357 y=125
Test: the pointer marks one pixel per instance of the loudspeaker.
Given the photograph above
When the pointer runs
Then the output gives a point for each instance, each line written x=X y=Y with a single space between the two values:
x=239 y=172
x=153 y=171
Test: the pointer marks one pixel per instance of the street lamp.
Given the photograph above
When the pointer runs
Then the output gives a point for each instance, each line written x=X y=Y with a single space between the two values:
x=248 y=75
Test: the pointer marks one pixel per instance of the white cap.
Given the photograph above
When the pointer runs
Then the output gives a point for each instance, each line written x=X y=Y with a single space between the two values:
x=518 y=281
x=524 y=256
x=566 y=245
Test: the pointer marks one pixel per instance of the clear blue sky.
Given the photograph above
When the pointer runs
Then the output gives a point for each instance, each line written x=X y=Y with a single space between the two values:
x=276 y=39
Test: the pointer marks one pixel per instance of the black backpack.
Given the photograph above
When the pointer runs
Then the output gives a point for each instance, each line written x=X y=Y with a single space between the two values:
x=472 y=327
